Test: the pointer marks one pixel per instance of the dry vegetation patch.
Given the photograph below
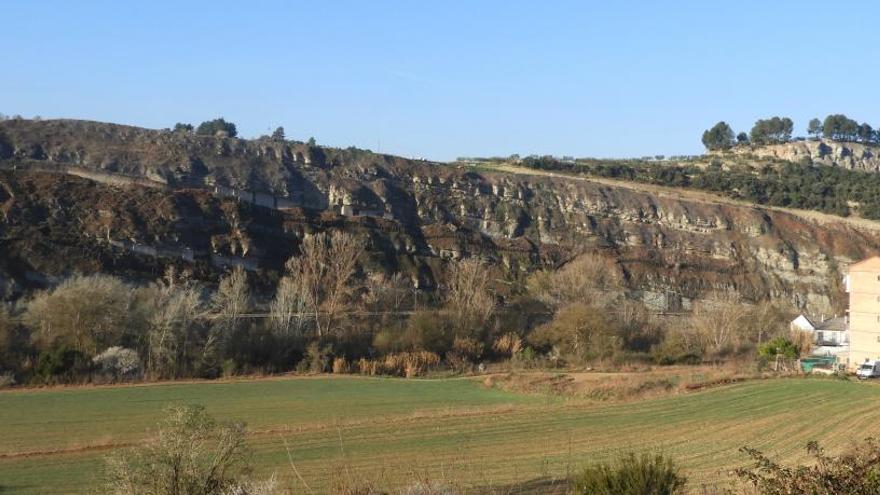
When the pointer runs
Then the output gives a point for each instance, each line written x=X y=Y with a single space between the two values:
x=631 y=385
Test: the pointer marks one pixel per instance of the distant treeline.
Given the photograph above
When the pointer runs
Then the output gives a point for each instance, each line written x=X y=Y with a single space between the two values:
x=804 y=186
x=777 y=130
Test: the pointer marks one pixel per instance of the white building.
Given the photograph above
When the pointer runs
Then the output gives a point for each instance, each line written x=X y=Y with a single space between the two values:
x=830 y=336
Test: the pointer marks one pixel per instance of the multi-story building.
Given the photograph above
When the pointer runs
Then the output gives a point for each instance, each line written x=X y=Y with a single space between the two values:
x=863 y=285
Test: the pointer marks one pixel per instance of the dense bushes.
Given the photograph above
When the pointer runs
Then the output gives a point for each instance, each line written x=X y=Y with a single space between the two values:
x=582 y=332
x=428 y=330
x=781 y=347
x=87 y=314
x=631 y=475
x=215 y=127
x=62 y=365
x=183 y=127
x=328 y=314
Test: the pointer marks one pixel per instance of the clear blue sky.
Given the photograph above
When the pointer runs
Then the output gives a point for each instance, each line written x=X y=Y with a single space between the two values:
x=446 y=78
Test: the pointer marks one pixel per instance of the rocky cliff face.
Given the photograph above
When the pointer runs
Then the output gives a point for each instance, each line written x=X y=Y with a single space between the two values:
x=250 y=202
x=853 y=156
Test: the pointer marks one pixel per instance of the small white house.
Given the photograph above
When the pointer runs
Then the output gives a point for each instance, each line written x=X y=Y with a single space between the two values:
x=803 y=324
x=830 y=335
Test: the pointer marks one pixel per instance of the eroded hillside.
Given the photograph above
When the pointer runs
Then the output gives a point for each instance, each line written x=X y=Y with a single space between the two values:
x=853 y=156
x=212 y=202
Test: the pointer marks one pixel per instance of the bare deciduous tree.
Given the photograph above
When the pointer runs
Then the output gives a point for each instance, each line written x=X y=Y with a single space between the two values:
x=718 y=323
x=325 y=270
x=587 y=278
x=175 y=307
x=87 y=313
x=386 y=293
x=288 y=307
x=766 y=320
x=468 y=295
x=231 y=300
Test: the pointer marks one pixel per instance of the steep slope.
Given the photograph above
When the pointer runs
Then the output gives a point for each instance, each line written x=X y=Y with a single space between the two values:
x=229 y=201
x=853 y=156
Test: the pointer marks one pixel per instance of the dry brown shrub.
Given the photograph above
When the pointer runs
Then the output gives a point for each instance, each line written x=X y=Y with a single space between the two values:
x=803 y=341
x=581 y=333
x=465 y=352
x=367 y=366
x=718 y=323
x=589 y=277
x=408 y=364
x=340 y=366
x=509 y=344
x=626 y=386
x=415 y=363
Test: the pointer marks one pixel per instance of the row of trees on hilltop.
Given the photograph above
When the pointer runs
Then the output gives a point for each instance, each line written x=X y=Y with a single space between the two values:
x=841 y=128
x=214 y=127
x=777 y=130
x=222 y=127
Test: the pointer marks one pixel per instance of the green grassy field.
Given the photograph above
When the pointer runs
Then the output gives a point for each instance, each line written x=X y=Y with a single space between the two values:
x=394 y=430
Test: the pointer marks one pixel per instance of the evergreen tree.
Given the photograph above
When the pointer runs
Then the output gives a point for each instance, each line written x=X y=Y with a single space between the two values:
x=719 y=137
x=866 y=133
x=814 y=128
x=218 y=125
x=774 y=130
x=840 y=127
